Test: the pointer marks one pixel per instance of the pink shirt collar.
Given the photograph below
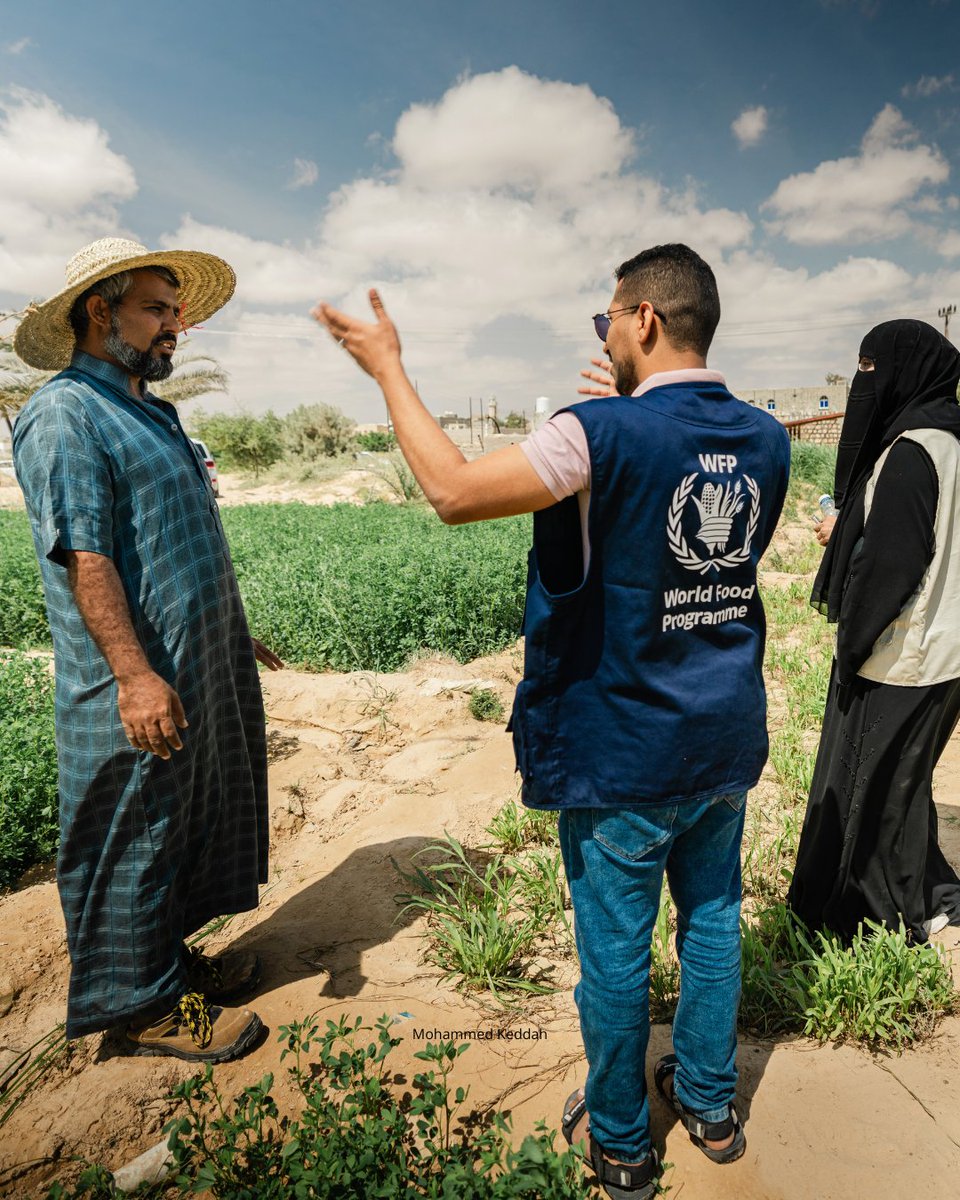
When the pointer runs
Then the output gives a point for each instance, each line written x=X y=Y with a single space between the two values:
x=688 y=375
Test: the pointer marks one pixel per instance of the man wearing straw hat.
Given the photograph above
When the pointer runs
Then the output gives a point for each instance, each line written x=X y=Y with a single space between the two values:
x=160 y=723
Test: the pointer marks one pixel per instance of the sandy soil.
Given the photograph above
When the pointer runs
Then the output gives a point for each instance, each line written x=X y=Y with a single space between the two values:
x=364 y=772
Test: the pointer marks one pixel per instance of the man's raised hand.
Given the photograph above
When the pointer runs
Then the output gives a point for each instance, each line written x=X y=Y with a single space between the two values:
x=601 y=378
x=373 y=346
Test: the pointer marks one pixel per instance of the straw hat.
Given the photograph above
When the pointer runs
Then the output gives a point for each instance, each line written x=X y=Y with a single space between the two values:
x=44 y=337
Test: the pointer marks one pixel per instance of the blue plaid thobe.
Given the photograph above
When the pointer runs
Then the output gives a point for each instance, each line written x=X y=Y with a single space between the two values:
x=150 y=849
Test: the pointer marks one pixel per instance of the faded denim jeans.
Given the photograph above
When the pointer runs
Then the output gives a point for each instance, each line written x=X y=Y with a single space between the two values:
x=615 y=860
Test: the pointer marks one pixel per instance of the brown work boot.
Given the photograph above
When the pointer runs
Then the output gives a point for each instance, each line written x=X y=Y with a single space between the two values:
x=223 y=977
x=197 y=1031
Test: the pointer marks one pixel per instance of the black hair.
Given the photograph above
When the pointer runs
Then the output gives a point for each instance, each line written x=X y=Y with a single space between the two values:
x=677 y=282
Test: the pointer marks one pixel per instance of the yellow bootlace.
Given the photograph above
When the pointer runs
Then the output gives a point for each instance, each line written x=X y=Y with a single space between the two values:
x=195 y=1015
x=207 y=967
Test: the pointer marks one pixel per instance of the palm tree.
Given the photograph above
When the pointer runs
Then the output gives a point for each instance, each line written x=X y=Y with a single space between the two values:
x=18 y=382
x=194 y=375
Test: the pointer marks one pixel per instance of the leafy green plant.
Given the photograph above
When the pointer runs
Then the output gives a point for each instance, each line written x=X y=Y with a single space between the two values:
x=29 y=827
x=485 y=705
x=43 y=1056
x=664 y=967
x=362 y=1131
x=515 y=827
x=376 y=441
x=879 y=990
x=480 y=932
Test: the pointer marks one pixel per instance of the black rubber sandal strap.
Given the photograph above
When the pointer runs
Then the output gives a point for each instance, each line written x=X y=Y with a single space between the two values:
x=573 y=1111
x=625 y=1177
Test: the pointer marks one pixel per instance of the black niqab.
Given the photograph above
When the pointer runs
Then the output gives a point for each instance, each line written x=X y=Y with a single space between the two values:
x=913 y=386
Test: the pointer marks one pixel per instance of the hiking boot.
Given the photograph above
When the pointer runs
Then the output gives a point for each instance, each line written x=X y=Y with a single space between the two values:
x=222 y=977
x=198 y=1032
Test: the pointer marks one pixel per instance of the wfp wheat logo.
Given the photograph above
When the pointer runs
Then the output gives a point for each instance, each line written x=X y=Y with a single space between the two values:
x=718 y=508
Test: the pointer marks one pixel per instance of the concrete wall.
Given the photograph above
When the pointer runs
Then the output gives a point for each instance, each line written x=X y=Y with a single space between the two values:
x=789 y=404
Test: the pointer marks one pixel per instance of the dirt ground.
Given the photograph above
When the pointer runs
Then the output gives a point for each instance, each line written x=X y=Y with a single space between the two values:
x=364 y=772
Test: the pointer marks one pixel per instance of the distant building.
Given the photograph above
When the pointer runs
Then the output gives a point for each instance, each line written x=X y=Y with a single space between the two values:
x=792 y=404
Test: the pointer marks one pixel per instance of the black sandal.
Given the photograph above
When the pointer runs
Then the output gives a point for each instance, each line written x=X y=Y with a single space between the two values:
x=621 y=1181
x=701 y=1131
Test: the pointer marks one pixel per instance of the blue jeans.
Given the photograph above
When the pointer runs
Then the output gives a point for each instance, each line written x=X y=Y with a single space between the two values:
x=615 y=860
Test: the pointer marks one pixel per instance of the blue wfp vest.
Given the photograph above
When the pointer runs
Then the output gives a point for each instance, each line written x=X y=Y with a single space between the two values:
x=643 y=681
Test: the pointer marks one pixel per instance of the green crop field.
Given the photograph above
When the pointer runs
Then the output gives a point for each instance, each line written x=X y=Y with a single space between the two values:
x=342 y=588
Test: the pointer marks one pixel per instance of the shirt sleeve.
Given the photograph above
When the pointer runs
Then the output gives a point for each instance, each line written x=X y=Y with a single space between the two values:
x=898 y=546
x=559 y=454
x=64 y=472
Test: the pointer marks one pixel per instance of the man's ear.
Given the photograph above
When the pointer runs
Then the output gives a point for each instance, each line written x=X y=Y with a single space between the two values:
x=644 y=322
x=98 y=310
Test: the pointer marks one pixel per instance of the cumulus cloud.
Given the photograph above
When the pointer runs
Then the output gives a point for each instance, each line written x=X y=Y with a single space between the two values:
x=861 y=198
x=492 y=238
x=60 y=184
x=18 y=46
x=305 y=174
x=750 y=126
x=928 y=85
x=483 y=218
x=508 y=129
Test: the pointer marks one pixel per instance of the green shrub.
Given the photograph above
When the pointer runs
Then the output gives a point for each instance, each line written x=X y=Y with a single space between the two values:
x=375 y=441
x=485 y=705
x=28 y=765
x=315 y=431
x=363 y=1131
x=23 y=612
x=879 y=990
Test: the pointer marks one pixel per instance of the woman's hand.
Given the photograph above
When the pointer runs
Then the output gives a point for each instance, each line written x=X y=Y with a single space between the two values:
x=823 y=528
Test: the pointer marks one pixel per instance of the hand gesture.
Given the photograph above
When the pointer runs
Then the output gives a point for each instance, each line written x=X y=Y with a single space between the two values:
x=266 y=656
x=151 y=713
x=602 y=377
x=374 y=347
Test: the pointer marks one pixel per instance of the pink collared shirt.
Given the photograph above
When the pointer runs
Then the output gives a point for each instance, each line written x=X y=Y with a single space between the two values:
x=559 y=454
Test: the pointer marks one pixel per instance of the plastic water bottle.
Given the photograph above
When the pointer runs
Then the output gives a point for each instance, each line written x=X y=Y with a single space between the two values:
x=827 y=507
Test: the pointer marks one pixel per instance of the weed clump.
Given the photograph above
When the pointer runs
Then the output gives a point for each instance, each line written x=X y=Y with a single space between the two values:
x=880 y=990
x=485 y=705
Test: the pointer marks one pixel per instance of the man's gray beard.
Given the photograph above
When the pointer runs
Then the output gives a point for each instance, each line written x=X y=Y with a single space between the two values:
x=140 y=363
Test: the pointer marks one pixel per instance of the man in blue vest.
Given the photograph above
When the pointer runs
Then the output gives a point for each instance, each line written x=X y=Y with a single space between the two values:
x=641 y=716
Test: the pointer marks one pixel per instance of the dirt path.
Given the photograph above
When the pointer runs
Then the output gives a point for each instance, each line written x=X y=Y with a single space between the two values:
x=365 y=772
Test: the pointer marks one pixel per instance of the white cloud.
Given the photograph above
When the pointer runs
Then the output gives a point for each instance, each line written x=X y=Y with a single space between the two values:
x=493 y=239
x=305 y=174
x=750 y=126
x=508 y=129
x=863 y=198
x=18 y=46
x=527 y=237
x=59 y=187
x=949 y=244
x=928 y=85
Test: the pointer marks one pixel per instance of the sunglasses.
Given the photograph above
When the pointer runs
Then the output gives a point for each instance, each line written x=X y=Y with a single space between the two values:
x=603 y=321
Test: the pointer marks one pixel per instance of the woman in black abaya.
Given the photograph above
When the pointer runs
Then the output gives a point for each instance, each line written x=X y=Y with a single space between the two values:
x=869 y=847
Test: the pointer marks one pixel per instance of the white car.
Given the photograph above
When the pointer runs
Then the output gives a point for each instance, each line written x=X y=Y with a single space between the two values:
x=209 y=464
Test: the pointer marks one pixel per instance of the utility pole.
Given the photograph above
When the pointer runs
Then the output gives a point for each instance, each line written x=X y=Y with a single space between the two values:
x=946 y=313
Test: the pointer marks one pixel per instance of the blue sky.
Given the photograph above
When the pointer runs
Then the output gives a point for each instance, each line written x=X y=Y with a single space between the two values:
x=489 y=166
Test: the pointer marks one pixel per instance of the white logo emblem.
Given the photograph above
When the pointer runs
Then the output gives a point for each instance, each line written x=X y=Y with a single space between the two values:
x=718 y=505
